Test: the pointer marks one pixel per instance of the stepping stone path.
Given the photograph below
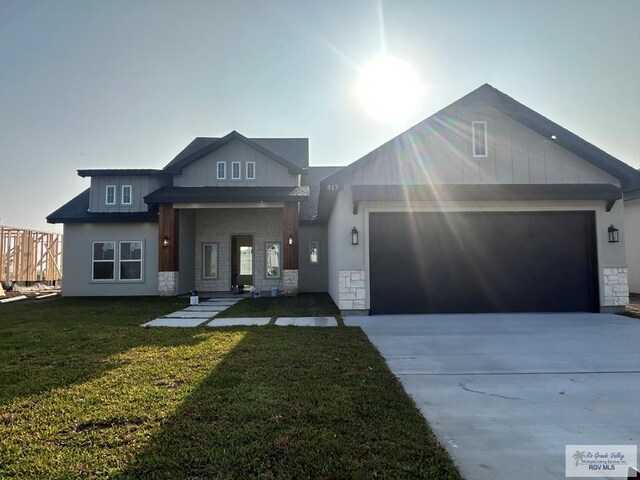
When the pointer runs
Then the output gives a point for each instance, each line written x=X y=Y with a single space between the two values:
x=194 y=315
x=239 y=322
x=307 y=321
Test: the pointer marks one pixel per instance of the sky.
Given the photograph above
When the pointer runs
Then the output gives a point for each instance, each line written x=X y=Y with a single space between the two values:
x=128 y=84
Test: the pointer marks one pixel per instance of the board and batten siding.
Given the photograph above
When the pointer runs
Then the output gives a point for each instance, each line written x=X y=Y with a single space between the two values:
x=141 y=185
x=202 y=172
x=439 y=151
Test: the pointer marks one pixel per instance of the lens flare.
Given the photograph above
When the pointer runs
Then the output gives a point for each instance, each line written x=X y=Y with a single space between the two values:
x=389 y=89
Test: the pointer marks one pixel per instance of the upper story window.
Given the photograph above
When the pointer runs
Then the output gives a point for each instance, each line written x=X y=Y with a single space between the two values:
x=221 y=171
x=479 y=139
x=235 y=171
x=126 y=195
x=110 y=197
x=251 y=170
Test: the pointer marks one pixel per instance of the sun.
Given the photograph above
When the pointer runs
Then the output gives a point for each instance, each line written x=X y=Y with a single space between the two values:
x=389 y=89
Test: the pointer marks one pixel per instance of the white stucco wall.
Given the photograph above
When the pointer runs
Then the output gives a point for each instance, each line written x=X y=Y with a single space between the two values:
x=632 y=245
x=347 y=257
x=77 y=259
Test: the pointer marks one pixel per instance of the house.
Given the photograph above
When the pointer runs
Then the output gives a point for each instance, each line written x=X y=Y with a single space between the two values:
x=486 y=206
x=632 y=231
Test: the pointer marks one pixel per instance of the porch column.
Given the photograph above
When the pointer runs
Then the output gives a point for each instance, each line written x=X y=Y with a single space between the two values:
x=168 y=250
x=290 y=252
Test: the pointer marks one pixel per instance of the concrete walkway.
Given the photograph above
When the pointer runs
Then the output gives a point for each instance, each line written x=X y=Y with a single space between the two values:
x=194 y=315
x=506 y=393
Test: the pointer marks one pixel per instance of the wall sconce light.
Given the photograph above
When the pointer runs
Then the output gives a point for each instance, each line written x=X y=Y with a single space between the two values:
x=165 y=241
x=290 y=241
x=613 y=234
x=354 y=236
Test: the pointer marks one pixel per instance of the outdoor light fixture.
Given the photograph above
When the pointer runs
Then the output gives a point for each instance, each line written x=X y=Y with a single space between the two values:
x=613 y=234
x=354 y=236
x=290 y=238
x=165 y=241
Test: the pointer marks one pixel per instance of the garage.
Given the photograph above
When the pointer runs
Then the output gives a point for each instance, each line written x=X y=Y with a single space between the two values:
x=472 y=262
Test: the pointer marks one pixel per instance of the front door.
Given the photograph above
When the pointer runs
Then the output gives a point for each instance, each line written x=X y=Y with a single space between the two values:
x=242 y=260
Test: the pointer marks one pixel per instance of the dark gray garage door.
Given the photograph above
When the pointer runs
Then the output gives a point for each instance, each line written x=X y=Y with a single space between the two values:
x=482 y=262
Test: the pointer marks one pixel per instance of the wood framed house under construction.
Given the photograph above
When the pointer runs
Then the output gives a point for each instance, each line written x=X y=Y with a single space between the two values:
x=28 y=256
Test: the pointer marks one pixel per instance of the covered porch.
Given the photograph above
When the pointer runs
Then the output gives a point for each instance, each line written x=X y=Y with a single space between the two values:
x=216 y=239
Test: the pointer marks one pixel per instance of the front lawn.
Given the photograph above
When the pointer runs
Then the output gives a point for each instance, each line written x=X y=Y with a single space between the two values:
x=86 y=393
x=303 y=305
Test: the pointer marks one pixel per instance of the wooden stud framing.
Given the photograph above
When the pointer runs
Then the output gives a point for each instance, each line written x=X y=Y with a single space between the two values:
x=30 y=255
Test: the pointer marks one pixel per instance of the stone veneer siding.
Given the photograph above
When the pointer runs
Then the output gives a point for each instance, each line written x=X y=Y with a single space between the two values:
x=352 y=293
x=168 y=283
x=218 y=225
x=616 y=287
x=290 y=282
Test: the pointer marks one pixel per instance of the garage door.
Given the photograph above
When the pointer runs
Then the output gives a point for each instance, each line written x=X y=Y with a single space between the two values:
x=482 y=262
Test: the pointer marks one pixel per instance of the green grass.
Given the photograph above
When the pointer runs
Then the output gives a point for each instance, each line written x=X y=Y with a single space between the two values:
x=303 y=305
x=86 y=393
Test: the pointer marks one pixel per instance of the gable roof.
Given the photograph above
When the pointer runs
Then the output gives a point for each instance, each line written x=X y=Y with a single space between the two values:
x=312 y=178
x=76 y=210
x=628 y=176
x=293 y=153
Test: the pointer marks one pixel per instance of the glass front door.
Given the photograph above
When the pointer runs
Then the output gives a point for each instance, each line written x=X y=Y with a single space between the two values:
x=242 y=260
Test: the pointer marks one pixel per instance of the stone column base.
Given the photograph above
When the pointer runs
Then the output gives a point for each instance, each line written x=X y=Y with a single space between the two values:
x=352 y=294
x=616 y=287
x=167 y=283
x=290 y=282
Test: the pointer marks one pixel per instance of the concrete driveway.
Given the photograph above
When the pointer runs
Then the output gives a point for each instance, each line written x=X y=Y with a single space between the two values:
x=505 y=393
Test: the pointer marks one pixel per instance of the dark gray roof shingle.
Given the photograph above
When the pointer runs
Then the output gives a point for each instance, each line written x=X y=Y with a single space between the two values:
x=227 y=194
x=76 y=211
x=293 y=150
x=312 y=178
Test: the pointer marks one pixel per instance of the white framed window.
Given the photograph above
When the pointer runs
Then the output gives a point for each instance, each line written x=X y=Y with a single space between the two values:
x=130 y=260
x=479 y=139
x=251 y=171
x=110 y=195
x=272 y=262
x=210 y=260
x=236 y=169
x=126 y=194
x=221 y=171
x=314 y=253
x=103 y=260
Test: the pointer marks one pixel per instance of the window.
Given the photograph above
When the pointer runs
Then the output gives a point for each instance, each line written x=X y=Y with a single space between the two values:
x=103 y=260
x=313 y=253
x=251 y=170
x=210 y=260
x=221 y=170
x=246 y=260
x=111 y=195
x=131 y=260
x=126 y=195
x=273 y=260
x=479 y=139
x=235 y=170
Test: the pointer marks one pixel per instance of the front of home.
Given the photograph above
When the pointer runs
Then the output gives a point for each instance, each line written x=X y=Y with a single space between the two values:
x=486 y=206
